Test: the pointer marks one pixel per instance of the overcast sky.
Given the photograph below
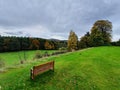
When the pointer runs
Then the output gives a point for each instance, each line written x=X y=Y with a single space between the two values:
x=55 y=18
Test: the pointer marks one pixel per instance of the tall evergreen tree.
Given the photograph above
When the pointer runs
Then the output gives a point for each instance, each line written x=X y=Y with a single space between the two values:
x=72 y=41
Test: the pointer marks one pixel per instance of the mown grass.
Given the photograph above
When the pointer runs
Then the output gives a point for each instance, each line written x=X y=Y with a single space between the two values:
x=90 y=69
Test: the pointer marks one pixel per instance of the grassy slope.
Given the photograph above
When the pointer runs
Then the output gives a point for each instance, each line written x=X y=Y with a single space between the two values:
x=96 y=68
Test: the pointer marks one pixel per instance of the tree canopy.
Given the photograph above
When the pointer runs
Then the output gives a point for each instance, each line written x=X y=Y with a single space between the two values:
x=29 y=43
x=101 y=32
x=100 y=35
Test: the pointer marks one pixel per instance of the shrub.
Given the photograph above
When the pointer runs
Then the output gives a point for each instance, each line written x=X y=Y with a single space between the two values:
x=37 y=55
x=62 y=48
x=46 y=54
x=59 y=52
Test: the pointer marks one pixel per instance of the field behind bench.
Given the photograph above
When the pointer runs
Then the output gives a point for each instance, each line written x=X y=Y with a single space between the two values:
x=13 y=58
x=90 y=69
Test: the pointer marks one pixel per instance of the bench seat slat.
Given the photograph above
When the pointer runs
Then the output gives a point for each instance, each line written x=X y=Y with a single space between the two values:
x=36 y=70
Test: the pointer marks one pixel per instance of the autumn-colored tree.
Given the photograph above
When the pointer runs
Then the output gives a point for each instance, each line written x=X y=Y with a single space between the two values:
x=72 y=41
x=35 y=44
x=101 y=32
x=49 y=45
x=11 y=43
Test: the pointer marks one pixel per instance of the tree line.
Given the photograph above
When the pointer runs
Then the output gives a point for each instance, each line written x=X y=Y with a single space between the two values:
x=28 y=43
x=99 y=35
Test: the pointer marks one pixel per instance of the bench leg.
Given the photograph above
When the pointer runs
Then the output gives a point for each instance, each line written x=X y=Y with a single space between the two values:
x=31 y=74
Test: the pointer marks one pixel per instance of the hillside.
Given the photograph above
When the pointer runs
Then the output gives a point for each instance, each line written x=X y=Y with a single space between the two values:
x=89 y=69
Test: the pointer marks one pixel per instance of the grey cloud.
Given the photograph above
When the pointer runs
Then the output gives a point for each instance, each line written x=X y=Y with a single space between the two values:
x=59 y=16
x=59 y=12
x=14 y=33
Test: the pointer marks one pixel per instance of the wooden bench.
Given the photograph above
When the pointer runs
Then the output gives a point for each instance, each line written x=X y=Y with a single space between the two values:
x=36 y=70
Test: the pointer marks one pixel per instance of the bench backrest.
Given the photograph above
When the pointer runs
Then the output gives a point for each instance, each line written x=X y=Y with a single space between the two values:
x=41 y=68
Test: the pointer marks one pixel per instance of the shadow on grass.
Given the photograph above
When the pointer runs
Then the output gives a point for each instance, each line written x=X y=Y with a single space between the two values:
x=41 y=79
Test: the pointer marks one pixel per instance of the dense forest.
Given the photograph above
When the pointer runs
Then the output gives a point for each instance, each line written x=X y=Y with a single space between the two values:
x=29 y=43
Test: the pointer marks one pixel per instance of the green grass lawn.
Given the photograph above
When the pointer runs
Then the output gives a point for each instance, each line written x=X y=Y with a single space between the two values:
x=13 y=58
x=89 y=69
